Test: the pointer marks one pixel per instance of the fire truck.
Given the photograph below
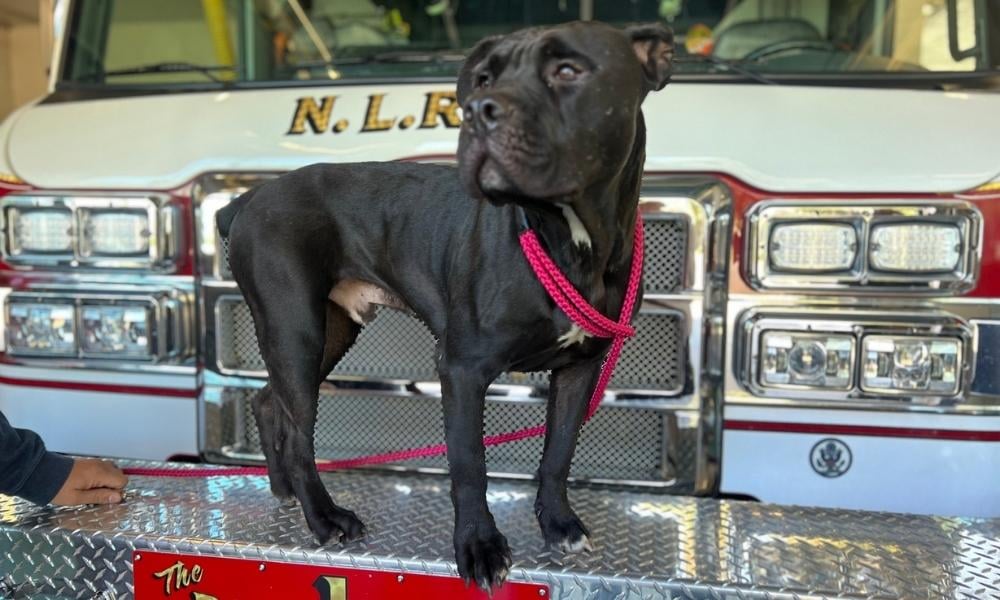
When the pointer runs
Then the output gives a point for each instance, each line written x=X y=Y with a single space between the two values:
x=810 y=408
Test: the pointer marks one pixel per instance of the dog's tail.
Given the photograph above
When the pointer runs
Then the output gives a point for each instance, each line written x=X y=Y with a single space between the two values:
x=224 y=218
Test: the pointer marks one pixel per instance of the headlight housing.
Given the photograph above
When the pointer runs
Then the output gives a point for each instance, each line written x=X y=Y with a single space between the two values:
x=106 y=232
x=131 y=327
x=880 y=247
x=803 y=353
x=41 y=328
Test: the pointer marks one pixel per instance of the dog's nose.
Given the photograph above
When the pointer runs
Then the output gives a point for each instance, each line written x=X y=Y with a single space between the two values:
x=485 y=111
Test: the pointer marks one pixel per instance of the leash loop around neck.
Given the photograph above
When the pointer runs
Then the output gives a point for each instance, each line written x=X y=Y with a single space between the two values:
x=566 y=297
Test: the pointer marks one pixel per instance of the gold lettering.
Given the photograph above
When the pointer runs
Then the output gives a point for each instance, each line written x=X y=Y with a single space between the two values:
x=200 y=596
x=372 y=122
x=443 y=106
x=176 y=577
x=318 y=116
x=331 y=588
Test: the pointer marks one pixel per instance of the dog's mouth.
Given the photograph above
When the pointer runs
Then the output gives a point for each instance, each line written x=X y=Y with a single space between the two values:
x=494 y=175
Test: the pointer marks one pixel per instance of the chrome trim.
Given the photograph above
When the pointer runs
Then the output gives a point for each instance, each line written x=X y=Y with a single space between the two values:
x=857 y=323
x=171 y=329
x=61 y=11
x=209 y=194
x=863 y=216
x=162 y=214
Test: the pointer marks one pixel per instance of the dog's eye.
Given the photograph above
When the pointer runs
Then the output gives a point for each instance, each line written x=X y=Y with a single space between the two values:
x=483 y=80
x=567 y=72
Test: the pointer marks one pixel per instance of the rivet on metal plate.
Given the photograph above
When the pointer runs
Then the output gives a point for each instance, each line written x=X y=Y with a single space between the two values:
x=260 y=567
x=541 y=591
x=399 y=579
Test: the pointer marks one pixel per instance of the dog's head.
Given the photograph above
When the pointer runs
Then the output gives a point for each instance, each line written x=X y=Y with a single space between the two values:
x=548 y=112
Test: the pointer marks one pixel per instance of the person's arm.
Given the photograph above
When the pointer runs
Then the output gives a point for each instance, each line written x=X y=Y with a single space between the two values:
x=31 y=472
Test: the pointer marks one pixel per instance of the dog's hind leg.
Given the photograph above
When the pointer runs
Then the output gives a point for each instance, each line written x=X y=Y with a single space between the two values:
x=569 y=393
x=341 y=332
x=292 y=325
x=271 y=439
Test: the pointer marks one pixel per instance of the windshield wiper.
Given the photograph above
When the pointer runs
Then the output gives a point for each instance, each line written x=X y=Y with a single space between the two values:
x=728 y=65
x=164 y=67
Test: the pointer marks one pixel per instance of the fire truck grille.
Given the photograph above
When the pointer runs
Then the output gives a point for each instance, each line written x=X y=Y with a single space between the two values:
x=666 y=241
x=622 y=444
x=398 y=346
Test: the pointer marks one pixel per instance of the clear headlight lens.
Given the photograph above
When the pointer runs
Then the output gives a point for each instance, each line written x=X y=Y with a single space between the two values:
x=916 y=247
x=116 y=233
x=813 y=247
x=115 y=331
x=41 y=329
x=805 y=359
x=911 y=364
x=45 y=231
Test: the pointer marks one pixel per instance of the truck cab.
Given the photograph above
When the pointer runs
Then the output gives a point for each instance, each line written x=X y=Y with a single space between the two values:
x=821 y=199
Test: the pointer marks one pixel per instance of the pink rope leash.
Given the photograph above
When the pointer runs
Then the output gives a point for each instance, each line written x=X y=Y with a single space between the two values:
x=566 y=297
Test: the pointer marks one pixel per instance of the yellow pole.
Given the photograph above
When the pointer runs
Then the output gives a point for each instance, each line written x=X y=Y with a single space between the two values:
x=218 y=26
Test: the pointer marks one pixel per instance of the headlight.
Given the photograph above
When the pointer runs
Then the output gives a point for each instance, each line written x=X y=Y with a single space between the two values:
x=41 y=329
x=135 y=327
x=911 y=364
x=846 y=247
x=813 y=247
x=40 y=230
x=115 y=331
x=800 y=359
x=115 y=233
x=916 y=247
x=820 y=353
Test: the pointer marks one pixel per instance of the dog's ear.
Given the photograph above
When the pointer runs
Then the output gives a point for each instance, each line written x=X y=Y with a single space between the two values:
x=654 y=47
x=465 y=74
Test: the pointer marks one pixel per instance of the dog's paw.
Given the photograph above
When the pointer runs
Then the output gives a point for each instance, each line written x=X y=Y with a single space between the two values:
x=564 y=531
x=483 y=556
x=337 y=523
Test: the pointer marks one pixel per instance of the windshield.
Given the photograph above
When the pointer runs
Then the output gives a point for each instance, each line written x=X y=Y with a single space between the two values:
x=184 y=42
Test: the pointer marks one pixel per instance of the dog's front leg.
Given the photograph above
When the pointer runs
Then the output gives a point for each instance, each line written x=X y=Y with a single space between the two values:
x=569 y=394
x=481 y=551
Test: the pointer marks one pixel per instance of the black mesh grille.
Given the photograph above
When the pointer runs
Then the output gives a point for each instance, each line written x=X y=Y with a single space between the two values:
x=618 y=443
x=398 y=346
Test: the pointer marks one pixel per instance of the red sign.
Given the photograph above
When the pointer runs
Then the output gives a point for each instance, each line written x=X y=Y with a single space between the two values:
x=159 y=575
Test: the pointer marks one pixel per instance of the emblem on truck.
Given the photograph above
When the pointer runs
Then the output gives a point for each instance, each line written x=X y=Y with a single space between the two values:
x=315 y=115
x=830 y=457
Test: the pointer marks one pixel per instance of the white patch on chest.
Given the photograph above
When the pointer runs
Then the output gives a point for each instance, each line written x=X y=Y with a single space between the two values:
x=575 y=335
x=580 y=235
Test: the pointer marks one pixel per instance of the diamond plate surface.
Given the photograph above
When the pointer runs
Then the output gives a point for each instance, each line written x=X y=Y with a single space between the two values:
x=647 y=546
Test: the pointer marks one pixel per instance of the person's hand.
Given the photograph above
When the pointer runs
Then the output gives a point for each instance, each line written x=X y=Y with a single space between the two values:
x=92 y=481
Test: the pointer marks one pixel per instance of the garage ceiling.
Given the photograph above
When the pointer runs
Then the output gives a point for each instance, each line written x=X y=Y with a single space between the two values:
x=13 y=12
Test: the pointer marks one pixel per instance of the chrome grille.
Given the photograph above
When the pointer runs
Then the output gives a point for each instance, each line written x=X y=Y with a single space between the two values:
x=665 y=249
x=398 y=346
x=355 y=424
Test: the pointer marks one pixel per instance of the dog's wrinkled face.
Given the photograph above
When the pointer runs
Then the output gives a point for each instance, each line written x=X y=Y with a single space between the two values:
x=547 y=112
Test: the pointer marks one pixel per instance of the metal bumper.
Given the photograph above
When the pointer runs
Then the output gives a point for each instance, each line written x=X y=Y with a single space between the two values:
x=647 y=546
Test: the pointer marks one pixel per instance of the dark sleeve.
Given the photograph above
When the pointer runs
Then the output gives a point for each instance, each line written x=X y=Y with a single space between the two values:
x=27 y=469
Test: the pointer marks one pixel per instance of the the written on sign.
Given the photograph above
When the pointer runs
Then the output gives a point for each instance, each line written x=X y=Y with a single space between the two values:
x=317 y=115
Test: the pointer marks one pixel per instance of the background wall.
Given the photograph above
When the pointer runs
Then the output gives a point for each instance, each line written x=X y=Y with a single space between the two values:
x=23 y=74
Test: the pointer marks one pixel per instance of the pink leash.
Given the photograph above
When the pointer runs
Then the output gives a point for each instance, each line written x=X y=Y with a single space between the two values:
x=566 y=298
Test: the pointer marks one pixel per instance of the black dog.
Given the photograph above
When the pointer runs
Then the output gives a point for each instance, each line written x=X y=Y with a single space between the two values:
x=552 y=135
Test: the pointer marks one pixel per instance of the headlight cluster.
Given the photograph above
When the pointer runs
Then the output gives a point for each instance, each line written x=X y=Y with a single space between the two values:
x=102 y=232
x=119 y=328
x=854 y=356
x=882 y=246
